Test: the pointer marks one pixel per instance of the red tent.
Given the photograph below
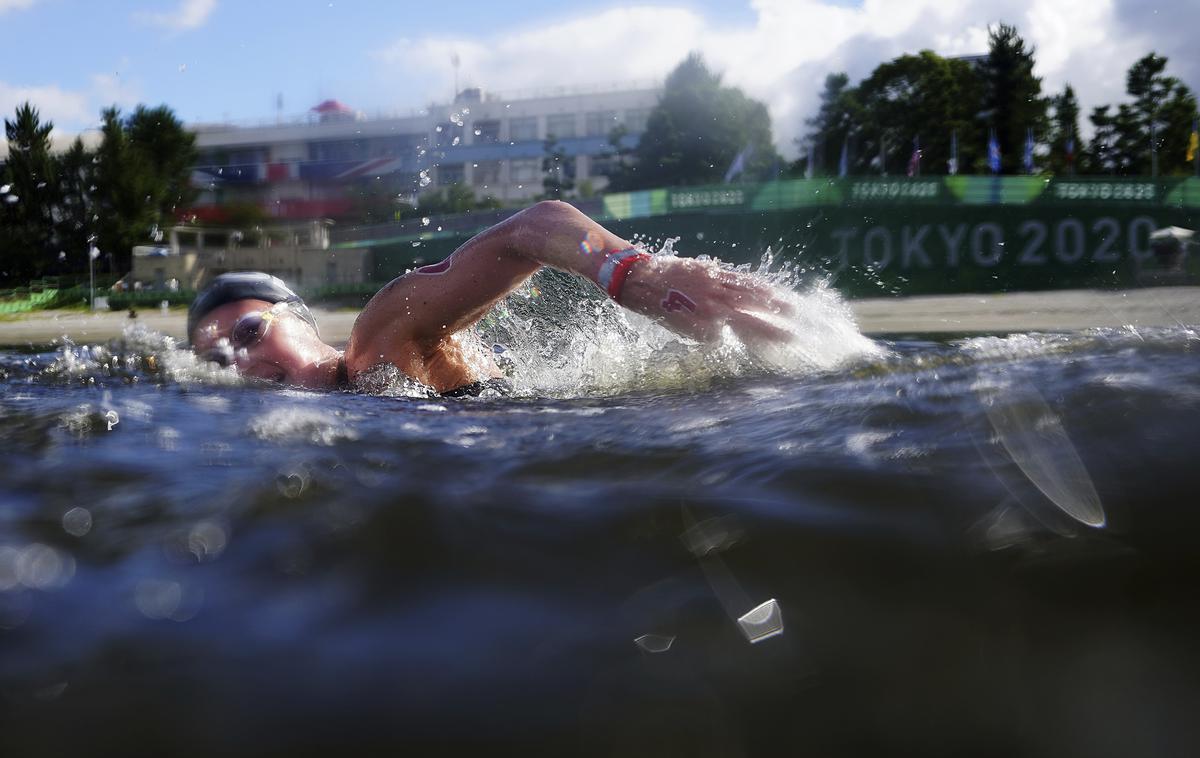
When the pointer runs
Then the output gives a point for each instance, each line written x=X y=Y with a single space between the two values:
x=332 y=106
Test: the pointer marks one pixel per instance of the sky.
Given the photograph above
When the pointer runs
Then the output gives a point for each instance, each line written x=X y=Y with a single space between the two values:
x=220 y=60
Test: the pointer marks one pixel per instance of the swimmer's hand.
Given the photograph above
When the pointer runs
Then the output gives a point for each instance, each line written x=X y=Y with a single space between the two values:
x=698 y=299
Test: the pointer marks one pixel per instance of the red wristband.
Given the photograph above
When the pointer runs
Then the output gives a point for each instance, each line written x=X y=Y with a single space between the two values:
x=616 y=269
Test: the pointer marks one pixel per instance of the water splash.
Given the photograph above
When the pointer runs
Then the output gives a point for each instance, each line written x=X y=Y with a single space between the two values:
x=565 y=339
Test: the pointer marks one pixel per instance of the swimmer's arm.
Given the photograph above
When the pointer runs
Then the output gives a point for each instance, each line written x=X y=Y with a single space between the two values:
x=697 y=299
x=419 y=310
x=691 y=297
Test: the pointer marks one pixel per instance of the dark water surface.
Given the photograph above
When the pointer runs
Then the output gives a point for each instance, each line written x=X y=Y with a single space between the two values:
x=975 y=547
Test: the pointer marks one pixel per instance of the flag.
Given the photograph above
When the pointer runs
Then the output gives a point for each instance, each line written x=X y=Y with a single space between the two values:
x=844 y=161
x=1194 y=142
x=914 y=162
x=1028 y=151
x=952 y=164
x=739 y=163
x=993 y=152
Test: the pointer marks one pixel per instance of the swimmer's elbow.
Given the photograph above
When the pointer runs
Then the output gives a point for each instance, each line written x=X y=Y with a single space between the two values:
x=546 y=213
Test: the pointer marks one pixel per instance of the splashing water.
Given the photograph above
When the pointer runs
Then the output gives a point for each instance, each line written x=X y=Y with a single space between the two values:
x=555 y=336
x=564 y=338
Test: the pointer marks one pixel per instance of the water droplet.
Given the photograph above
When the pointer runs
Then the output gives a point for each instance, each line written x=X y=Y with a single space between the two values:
x=654 y=643
x=77 y=522
x=425 y=221
x=424 y=180
x=478 y=132
x=456 y=140
x=11 y=199
x=5 y=188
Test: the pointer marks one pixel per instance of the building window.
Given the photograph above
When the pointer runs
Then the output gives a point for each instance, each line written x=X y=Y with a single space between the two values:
x=447 y=134
x=635 y=120
x=403 y=146
x=561 y=125
x=487 y=132
x=525 y=171
x=338 y=150
x=602 y=165
x=449 y=173
x=523 y=129
x=599 y=123
x=486 y=173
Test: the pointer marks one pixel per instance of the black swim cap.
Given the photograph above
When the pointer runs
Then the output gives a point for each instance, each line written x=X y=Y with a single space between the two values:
x=245 y=285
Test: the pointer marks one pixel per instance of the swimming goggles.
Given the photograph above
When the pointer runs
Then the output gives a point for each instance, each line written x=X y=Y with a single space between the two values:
x=247 y=331
x=252 y=327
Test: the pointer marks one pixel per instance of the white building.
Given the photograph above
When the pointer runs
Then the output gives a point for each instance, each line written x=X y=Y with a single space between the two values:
x=494 y=144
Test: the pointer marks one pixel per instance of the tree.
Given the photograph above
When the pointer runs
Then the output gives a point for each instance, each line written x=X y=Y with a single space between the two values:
x=1100 y=157
x=143 y=167
x=1012 y=95
x=558 y=171
x=1064 y=133
x=697 y=130
x=913 y=96
x=28 y=245
x=1159 y=119
x=74 y=218
x=1154 y=127
x=620 y=157
x=833 y=125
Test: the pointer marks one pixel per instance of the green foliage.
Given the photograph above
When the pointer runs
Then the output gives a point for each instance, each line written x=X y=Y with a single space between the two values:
x=558 y=171
x=923 y=96
x=696 y=131
x=451 y=200
x=119 y=301
x=832 y=128
x=920 y=96
x=1065 y=144
x=1149 y=134
x=28 y=240
x=142 y=169
x=1012 y=96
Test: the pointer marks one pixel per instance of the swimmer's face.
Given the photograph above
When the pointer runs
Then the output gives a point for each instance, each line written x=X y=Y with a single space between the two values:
x=263 y=341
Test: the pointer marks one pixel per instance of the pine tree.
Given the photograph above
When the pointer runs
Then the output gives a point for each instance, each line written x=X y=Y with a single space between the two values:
x=28 y=245
x=1159 y=119
x=1065 y=144
x=1012 y=101
x=832 y=127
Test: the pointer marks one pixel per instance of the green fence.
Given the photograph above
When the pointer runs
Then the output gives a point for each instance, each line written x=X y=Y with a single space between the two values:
x=879 y=236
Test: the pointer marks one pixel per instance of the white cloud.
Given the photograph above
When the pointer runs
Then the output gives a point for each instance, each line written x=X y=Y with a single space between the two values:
x=73 y=112
x=53 y=103
x=13 y=5
x=782 y=57
x=191 y=14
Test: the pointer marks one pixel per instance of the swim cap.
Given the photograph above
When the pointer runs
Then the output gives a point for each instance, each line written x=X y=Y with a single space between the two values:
x=245 y=285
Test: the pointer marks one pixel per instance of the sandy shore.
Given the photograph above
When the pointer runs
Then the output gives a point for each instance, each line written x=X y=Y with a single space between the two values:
x=1011 y=312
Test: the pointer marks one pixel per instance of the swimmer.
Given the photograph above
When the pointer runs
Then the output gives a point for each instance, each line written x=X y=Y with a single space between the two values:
x=417 y=322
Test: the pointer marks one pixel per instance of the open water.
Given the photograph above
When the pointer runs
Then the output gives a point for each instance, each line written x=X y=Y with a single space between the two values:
x=978 y=546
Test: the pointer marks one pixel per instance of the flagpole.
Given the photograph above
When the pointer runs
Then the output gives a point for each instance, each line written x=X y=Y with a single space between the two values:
x=1153 y=150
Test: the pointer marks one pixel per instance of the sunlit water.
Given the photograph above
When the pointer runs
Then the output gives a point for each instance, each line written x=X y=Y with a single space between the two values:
x=983 y=546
